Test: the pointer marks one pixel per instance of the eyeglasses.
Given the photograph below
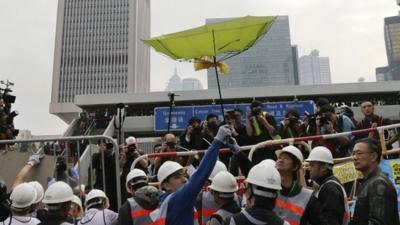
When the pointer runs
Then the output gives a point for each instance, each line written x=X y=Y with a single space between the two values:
x=358 y=153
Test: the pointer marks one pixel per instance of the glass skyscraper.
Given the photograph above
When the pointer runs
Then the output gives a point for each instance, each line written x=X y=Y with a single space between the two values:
x=392 y=41
x=98 y=50
x=267 y=63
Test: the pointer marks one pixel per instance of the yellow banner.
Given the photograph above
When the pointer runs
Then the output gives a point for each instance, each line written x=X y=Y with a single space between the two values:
x=345 y=172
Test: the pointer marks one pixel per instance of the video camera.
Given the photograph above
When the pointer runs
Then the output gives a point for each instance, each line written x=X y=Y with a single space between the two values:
x=256 y=111
x=4 y=201
x=324 y=120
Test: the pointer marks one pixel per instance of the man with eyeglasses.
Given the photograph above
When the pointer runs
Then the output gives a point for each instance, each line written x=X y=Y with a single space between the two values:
x=376 y=197
x=371 y=120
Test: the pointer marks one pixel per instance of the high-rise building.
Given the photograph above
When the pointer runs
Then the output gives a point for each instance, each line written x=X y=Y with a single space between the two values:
x=392 y=42
x=314 y=69
x=189 y=84
x=98 y=50
x=268 y=62
x=383 y=74
x=174 y=83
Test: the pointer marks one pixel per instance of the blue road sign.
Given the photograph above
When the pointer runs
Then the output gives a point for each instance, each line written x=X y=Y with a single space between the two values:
x=279 y=109
x=181 y=114
x=179 y=118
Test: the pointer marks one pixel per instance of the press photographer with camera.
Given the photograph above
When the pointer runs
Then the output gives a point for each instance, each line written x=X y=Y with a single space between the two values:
x=291 y=126
x=260 y=126
x=329 y=123
x=5 y=202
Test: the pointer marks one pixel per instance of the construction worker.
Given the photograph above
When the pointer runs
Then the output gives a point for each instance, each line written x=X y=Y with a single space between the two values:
x=205 y=203
x=177 y=203
x=97 y=211
x=263 y=184
x=76 y=211
x=295 y=203
x=223 y=188
x=143 y=200
x=57 y=198
x=23 y=199
x=331 y=194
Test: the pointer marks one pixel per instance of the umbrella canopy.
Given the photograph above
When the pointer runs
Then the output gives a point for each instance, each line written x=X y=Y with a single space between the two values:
x=230 y=36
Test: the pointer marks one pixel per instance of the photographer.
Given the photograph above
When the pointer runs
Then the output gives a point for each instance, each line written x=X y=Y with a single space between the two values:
x=191 y=138
x=260 y=126
x=239 y=133
x=330 y=123
x=5 y=202
x=128 y=154
x=291 y=126
x=109 y=170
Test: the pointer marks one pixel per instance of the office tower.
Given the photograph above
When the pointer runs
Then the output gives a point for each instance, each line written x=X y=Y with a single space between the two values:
x=189 y=84
x=314 y=69
x=269 y=62
x=98 y=50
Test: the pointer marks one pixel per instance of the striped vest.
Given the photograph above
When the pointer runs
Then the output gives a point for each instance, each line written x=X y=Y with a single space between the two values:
x=139 y=215
x=292 y=208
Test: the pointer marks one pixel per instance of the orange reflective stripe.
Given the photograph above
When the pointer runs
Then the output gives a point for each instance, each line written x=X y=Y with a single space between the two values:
x=140 y=213
x=207 y=212
x=289 y=206
x=196 y=215
x=292 y=222
x=160 y=221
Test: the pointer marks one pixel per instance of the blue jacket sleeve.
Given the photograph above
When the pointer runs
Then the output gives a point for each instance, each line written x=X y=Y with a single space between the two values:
x=186 y=196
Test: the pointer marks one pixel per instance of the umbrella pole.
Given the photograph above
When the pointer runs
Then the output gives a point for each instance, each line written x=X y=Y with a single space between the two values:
x=219 y=88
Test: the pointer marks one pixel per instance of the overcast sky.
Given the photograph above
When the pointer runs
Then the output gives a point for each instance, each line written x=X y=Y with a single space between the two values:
x=349 y=32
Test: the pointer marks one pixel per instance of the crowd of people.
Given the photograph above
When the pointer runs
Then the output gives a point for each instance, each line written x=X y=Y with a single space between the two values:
x=203 y=189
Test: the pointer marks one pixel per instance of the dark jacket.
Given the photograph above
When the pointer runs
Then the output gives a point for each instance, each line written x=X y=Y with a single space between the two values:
x=56 y=220
x=312 y=211
x=331 y=199
x=376 y=201
x=263 y=216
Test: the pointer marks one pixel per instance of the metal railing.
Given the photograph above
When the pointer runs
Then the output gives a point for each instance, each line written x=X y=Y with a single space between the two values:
x=79 y=138
x=287 y=141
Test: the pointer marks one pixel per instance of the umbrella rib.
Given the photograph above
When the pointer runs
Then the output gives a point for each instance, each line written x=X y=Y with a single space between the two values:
x=167 y=49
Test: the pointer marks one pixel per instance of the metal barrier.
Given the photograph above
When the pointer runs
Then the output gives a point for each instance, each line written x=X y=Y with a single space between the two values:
x=253 y=148
x=78 y=138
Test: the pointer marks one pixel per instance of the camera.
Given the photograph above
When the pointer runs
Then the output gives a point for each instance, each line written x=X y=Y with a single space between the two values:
x=256 y=111
x=5 y=202
x=324 y=120
x=293 y=120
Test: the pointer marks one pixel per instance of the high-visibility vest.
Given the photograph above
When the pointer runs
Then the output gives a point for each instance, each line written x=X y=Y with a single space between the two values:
x=139 y=215
x=159 y=216
x=346 y=214
x=292 y=208
x=209 y=207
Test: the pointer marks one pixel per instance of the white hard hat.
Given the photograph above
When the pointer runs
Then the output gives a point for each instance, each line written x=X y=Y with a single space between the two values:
x=23 y=196
x=269 y=162
x=58 y=192
x=93 y=194
x=293 y=151
x=131 y=140
x=134 y=174
x=77 y=201
x=39 y=191
x=265 y=175
x=320 y=154
x=166 y=169
x=219 y=166
x=224 y=182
